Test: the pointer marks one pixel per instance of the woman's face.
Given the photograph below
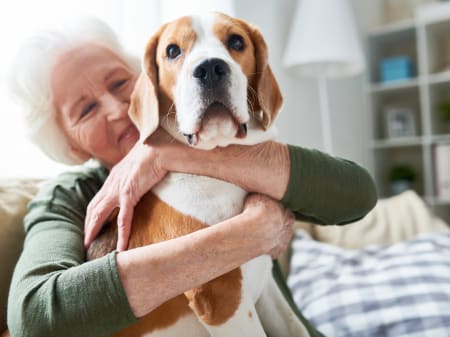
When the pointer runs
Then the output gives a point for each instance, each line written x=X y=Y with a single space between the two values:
x=91 y=87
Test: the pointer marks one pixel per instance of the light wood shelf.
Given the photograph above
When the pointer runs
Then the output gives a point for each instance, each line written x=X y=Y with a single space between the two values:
x=427 y=43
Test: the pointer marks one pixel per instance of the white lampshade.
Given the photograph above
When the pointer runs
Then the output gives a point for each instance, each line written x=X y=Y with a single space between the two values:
x=323 y=40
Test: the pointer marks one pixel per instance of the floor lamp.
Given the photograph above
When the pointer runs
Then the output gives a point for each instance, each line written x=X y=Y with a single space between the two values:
x=323 y=43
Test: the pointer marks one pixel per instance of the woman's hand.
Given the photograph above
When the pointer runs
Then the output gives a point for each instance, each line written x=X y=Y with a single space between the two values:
x=127 y=182
x=273 y=223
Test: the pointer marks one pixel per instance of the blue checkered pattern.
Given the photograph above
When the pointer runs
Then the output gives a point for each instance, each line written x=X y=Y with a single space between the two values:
x=380 y=291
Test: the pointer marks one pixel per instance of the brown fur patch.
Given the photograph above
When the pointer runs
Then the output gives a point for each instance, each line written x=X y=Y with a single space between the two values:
x=155 y=221
x=163 y=316
x=136 y=101
x=212 y=301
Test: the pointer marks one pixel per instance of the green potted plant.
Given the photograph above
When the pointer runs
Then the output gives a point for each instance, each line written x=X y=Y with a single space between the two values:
x=401 y=178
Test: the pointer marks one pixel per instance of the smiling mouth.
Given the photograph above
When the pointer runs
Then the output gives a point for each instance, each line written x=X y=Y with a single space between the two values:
x=217 y=111
x=127 y=133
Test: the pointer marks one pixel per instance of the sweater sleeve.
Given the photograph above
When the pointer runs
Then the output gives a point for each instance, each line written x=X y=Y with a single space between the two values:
x=54 y=292
x=327 y=190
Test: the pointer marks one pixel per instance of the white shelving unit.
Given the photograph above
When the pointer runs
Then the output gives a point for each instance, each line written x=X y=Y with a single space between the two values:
x=426 y=40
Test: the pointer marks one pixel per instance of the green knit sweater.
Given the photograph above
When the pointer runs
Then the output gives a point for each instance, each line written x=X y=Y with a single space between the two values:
x=55 y=292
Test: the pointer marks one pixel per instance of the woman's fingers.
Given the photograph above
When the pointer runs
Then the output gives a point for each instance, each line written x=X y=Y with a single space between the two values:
x=100 y=210
x=274 y=222
x=286 y=234
x=124 y=220
x=97 y=214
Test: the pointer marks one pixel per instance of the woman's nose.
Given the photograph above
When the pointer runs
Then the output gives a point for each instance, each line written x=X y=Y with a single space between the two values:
x=115 y=107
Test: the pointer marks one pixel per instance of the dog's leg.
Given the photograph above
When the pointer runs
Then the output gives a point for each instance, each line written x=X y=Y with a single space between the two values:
x=224 y=307
x=244 y=323
x=276 y=315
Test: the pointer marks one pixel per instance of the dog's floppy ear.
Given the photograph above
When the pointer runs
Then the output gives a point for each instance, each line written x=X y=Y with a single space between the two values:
x=268 y=92
x=144 y=106
x=144 y=110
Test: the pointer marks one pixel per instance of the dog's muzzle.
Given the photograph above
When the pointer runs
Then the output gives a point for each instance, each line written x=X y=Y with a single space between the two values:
x=214 y=78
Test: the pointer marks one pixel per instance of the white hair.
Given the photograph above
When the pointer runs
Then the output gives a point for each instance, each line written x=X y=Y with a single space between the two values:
x=29 y=80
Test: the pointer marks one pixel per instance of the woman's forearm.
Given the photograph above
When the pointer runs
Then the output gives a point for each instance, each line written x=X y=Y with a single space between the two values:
x=262 y=168
x=186 y=262
x=317 y=187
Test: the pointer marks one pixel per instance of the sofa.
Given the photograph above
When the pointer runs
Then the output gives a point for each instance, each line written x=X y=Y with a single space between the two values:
x=14 y=197
x=314 y=252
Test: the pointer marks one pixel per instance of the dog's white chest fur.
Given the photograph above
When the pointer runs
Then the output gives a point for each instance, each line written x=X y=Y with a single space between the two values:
x=206 y=199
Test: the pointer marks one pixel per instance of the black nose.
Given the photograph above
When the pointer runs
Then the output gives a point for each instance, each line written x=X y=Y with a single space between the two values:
x=212 y=72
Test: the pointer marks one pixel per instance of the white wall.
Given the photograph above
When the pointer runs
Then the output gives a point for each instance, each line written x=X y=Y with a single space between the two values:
x=299 y=122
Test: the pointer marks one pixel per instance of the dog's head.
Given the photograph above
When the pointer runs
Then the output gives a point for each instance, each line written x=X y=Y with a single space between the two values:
x=209 y=81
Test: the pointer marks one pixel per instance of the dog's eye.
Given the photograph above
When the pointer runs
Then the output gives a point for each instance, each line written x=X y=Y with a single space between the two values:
x=236 y=42
x=173 y=51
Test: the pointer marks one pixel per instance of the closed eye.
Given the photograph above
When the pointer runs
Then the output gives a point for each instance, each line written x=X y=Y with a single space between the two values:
x=119 y=84
x=87 y=109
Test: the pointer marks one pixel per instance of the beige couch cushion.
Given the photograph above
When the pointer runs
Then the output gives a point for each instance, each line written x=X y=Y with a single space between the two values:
x=14 y=197
x=392 y=220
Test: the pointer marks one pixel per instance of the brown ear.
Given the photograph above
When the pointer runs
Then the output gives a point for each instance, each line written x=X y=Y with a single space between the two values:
x=144 y=110
x=268 y=92
x=144 y=106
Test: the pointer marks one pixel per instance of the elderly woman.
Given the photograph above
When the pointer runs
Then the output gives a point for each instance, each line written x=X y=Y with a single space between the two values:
x=75 y=85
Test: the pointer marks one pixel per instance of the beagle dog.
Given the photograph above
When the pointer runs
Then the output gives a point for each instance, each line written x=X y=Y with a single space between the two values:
x=207 y=81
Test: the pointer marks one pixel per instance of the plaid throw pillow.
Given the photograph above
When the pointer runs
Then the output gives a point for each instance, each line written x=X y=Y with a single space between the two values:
x=391 y=291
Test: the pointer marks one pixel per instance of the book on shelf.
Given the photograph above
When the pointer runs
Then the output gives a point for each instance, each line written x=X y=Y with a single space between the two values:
x=442 y=162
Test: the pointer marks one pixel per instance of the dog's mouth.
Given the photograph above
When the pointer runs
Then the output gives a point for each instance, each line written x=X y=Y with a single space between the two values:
x=219 y=117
